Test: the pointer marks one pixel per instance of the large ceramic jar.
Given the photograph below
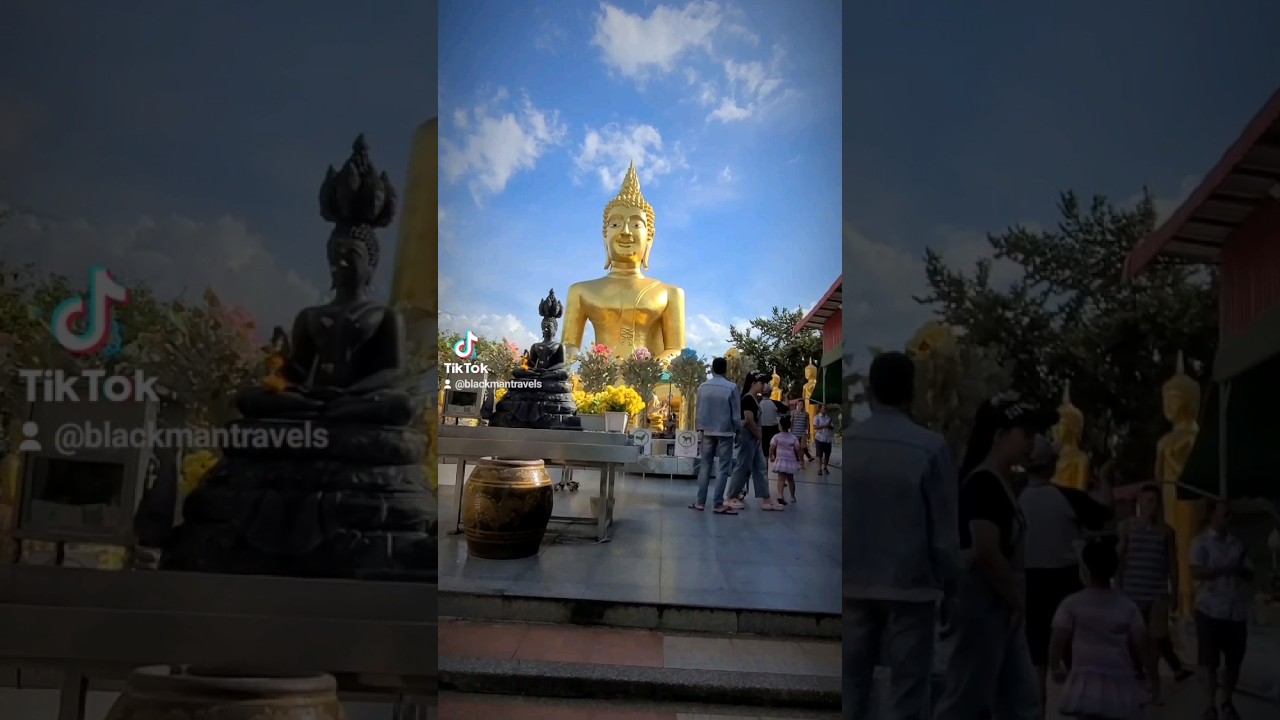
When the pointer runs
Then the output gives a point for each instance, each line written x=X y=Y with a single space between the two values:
x=506 y=506
x=163 y=693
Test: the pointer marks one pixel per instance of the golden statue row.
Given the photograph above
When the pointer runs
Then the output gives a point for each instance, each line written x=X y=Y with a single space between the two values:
x=1181 y=405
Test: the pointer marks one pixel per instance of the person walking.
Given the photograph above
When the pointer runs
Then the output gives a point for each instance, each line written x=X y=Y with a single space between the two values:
x=901 y=545
x=800 y=428
x=1220 y=562
x=1104 y=631
x=1058 y=519
x=1149 y=575
x=769 y=416
x=719 y=419
x=989 y=671
x=824 y=436
x=750 y=462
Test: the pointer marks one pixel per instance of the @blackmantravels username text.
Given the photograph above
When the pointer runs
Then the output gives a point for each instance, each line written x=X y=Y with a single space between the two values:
x=465 y=384
x=72 y=437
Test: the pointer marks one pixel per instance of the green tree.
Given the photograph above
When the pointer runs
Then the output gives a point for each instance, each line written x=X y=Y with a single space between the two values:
x=1069 y=316
x=769 y=342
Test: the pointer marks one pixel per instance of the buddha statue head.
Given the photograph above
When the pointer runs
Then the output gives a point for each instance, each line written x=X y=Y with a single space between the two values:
x=357 y=199
x=1070 y=425
x=628 y=226
x=1181 y=395
x=932 y=337
x=810 y=371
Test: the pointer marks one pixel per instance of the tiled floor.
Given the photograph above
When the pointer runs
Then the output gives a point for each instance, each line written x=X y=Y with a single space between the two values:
x=663 y=552
x=640 y=648
x=466 y=707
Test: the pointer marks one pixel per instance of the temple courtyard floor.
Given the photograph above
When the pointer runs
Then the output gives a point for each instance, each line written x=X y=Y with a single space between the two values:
x=662 y=552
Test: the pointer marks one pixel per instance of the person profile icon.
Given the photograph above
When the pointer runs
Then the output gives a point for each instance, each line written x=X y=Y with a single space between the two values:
x=29 y=442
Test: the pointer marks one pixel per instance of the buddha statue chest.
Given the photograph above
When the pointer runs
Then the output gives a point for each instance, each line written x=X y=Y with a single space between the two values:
x=625 y=313
x=339 y=336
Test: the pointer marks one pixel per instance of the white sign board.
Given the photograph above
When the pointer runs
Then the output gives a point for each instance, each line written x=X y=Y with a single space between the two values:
x=686 y=443
x=643 y=439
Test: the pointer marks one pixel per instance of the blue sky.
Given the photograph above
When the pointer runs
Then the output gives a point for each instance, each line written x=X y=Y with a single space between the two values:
x=183 y=144
x=731 y=112
x=964 y=120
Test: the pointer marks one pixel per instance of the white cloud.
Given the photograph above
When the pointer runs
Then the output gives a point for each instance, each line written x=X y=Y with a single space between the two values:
x=460 y=119
x=491 y=326
x=495 y=147
x=750 y=87
x=173 y=256
x=726 y=175
x=636 y=46
x=551 y=38
x=606 y=152
x=709 y=336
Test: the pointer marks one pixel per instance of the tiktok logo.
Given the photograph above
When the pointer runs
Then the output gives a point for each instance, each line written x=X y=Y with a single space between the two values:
x=104 y=292
x=466 y=347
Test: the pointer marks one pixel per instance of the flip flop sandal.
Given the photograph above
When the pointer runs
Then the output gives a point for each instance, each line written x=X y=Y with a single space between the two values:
x=724 y=510
x=782 y=502
x=696 y=506
x=771 y=508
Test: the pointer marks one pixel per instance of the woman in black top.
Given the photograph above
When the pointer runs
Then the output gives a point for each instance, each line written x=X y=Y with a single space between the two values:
x=989 y=672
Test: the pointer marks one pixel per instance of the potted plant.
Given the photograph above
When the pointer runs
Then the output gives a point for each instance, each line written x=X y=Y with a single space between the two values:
x=598 y=368
x=619 y=404
x=589 y=411
x=688 y=371
x=642 y=371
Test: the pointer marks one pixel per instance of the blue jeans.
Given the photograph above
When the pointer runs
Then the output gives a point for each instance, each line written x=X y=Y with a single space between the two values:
x=989 y=671
x=721 y=450
x=750 y=462
x=903 y=634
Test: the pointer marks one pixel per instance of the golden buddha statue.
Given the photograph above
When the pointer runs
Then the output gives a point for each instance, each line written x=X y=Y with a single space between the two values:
x=1181 y=403
x=932 y=337
x=810 y=384
x=776 y=383
x=1073 y=463
x=627 y=310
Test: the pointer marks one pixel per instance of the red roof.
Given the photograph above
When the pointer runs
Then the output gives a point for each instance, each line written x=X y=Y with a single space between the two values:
x=832 y=301
x=1247 y=176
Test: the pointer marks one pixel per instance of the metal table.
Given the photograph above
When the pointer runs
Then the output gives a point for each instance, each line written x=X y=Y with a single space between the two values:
x=378 y=638
x=570 y=448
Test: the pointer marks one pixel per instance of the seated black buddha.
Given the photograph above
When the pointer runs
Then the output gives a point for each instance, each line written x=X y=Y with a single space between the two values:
x=541 y=396
x=358 y=504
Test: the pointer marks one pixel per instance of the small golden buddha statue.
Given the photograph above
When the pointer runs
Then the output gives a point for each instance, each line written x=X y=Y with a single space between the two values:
x=1181 y=404
x=932 y=337
x=810 y=384
x=1073 y=463
x=627 y=310
x=776 y=383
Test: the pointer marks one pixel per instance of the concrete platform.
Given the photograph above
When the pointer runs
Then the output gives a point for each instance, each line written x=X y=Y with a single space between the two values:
x=462 y=706
x=663 y=553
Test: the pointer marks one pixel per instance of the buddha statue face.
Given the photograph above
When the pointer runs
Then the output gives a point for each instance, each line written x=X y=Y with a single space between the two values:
x=1181 y=400
x=627 y=236
x=1069 y=428
x=349 y=263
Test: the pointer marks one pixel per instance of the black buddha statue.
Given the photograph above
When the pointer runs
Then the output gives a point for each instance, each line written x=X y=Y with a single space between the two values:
x=358 y=504
x=541 y=396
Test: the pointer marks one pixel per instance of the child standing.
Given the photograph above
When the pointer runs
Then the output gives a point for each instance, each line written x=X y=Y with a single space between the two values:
x=1105 y=631
x=784 y=458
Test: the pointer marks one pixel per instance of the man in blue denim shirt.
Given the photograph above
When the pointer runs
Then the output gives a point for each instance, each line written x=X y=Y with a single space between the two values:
x=901 y=544
x=719 y=420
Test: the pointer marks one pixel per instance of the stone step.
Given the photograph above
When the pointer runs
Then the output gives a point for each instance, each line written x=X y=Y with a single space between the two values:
x=565 y=661
x=466 y=706
x=642 y=616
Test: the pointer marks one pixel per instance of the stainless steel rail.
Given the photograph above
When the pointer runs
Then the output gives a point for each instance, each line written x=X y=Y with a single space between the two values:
x=606 y=451
x=378 y=637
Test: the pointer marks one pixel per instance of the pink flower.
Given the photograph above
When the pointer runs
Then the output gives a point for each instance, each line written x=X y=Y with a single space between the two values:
x=601 y=349
x=643 y=354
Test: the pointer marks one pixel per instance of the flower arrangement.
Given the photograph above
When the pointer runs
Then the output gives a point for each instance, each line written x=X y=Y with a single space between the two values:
x=621 y=399
x=195 y=467
x=597 y=368
x=588 y=403
x=642 y=371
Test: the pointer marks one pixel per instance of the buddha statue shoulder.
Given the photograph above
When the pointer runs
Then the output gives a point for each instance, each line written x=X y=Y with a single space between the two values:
x=345 y=358
x=810 y=385
x=627 y=310
x=1072 y=470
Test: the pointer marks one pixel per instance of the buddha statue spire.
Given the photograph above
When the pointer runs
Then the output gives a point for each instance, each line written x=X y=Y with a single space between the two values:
x=630 y=196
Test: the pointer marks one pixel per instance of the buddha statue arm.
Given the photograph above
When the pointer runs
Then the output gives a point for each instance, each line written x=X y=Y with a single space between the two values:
x=673 y=327
x=575 y=323
x=302 y=354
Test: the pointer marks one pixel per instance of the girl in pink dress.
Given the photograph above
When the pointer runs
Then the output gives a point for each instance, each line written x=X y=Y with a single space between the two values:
x=784 y=458
x=1105 y=631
